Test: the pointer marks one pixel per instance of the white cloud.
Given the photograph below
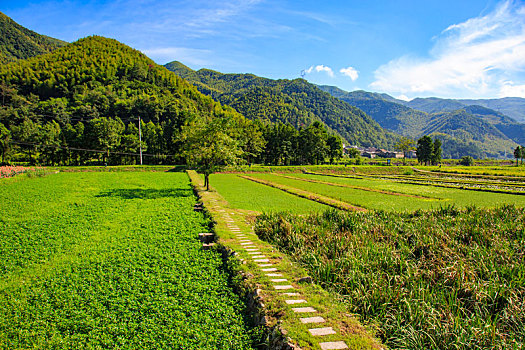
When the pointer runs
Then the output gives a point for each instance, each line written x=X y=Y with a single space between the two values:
x=403 y=98
x=350 y=72
x=320 y=68
x=509 y=89
x=475 y=58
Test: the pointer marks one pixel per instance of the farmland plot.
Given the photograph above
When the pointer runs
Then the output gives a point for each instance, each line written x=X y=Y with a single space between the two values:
x=441 y=279
x=427 y=197
x=111 y=260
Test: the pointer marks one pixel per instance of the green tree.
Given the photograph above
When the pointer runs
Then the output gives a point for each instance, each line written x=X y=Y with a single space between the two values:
x=5 y=142
x=425 y=149
x=335 y=148
x=517 y=154
x=313 y=149
x=252 y=140
x=466 y=160
x=105 y=134
x=29 y=134
x=353 y=152
x=404 y=145
x=207 y=146
x=74 y=139
x=436 y=152
x=51 y=142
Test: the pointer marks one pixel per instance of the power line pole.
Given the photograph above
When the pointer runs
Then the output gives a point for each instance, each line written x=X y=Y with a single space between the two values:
x=140 y=142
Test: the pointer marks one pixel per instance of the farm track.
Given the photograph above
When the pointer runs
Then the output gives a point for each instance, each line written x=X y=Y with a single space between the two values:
x=356 y=187
x=306 y=194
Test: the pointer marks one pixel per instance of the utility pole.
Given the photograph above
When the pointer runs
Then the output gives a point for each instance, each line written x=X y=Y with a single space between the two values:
x=140 y=142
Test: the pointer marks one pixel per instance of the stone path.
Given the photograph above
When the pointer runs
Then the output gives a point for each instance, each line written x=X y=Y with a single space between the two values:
x=306 y=314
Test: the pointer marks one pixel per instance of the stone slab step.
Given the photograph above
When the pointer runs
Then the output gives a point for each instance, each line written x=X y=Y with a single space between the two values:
x=333 y=345
x=283 y=286
x=316 y=319
x=321 y=331
x=304 y=309
x=295 y=301
x=271 y=269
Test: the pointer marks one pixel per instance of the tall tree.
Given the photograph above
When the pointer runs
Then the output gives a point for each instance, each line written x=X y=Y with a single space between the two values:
x=436 y=152
x=517 y=154
x=208 y=147
x=404 y=145
x=335 y=148
x=105 y=134
x=313 y=148
x=251 y=138
x=425 y=149
x=5 y=141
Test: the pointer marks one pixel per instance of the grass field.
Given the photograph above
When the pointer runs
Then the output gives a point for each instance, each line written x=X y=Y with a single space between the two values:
x=244 y=194
x=111 y=260
x=443 y=279
x=438 y=197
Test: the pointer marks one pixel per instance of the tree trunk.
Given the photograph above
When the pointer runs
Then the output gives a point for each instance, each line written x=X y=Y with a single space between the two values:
x=207 y=181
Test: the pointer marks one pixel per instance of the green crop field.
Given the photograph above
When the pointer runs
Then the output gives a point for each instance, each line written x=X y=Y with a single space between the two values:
x=111 y=260
x=438 y=197
x=245 y=194
x=442 y=279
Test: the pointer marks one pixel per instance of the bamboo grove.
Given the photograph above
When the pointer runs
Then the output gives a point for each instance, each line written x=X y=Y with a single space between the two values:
x=82 y=105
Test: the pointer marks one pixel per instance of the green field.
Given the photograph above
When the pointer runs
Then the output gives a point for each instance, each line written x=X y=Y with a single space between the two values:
x=111 y=260
x=244 y=194
x=437 y=196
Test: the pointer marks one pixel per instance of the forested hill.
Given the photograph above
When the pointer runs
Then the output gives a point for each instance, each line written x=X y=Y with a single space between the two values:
x=51 y=99
x=470 y=130
x=296 y=102
x=513 y=107
x=17 y=42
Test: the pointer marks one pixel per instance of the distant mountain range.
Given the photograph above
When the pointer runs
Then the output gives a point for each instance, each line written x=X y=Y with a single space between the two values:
x=17 y=42
x=465 y=129
x=289 y=101
x=513 y=107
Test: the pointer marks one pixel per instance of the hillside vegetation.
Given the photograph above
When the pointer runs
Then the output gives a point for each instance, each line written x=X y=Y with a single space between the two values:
x=90 y=94
x=513 y=107
x=17 y=42
x=296 y=102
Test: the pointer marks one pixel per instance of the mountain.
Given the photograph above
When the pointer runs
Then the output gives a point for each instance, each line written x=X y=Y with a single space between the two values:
x=48 y=99
x=513 y=107
x=390 y=115
x=296 y=102
x=491 y=111
x=17 y=42
x=434 y=104
x=469 y=130
x=508 y=126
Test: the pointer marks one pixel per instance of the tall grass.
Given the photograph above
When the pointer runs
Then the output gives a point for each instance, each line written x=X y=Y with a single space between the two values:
x=440 y=279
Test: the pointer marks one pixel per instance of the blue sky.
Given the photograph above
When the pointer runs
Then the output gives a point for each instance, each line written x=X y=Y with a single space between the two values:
x=407 y=48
